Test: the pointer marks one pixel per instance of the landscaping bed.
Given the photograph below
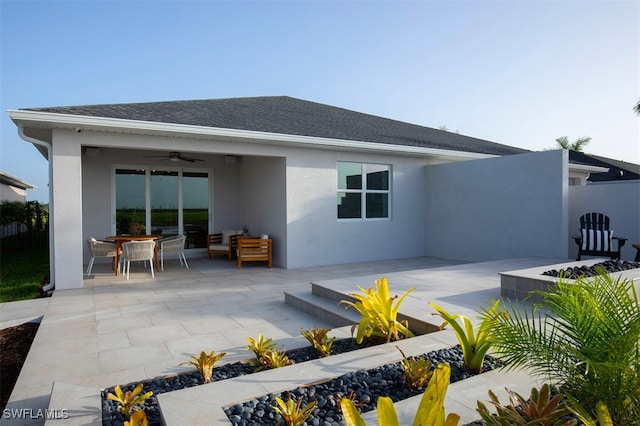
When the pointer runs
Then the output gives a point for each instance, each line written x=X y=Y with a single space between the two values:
x=15 y=343
x=364 y=387
x=112 y=417
x=384 y=380
x=609 y=266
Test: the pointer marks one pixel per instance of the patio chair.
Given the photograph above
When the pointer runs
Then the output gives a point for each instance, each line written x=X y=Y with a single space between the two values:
x=101 y=249
x=223 y=243
x=173 y=245
x=136 y=251
x=596 y=238
x=255 y=250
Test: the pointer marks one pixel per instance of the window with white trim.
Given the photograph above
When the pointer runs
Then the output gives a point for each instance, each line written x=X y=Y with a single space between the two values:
x=363 y=190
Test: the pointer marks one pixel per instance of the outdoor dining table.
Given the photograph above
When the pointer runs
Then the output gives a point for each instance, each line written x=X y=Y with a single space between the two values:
x=119 y=239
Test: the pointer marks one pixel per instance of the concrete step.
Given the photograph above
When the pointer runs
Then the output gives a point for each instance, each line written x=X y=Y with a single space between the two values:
x=322 y=302
x=330 y=293
x=322 y=308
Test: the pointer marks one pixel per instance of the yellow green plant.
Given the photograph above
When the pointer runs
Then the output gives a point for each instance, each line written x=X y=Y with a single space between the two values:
x=603 y=416
x=204 y=363
x=260 y=346
x=541 y=408
x=319 y=339
x=353 y=397
x=379 y=313
x=417 y=371
x=430 y=411
x=293 y=414
x=274 y=359
x=138 y=418
x=128 y=400
x=474 y=345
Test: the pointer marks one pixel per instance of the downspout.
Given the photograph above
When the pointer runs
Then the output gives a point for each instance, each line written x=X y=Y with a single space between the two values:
x=52 y=268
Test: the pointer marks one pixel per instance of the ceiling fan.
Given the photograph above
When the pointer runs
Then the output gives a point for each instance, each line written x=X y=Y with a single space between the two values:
x=175 y=156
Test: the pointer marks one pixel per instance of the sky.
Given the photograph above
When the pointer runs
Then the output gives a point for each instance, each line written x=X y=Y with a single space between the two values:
x=520 y=73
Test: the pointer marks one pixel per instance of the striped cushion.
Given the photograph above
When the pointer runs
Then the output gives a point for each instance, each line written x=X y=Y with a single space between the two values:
x=594 y=240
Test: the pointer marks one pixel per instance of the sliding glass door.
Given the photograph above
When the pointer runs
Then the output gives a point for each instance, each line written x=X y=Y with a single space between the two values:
x=163 y=202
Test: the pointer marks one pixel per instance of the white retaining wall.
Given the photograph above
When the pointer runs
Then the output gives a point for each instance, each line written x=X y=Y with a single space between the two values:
x=498 y=208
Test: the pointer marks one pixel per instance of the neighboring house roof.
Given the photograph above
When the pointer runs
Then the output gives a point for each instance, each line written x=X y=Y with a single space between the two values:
x=7 y=179
x=289 y=116
x=618 y=170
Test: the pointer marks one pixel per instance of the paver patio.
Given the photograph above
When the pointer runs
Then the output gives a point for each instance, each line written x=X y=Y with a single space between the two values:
x=117 y=331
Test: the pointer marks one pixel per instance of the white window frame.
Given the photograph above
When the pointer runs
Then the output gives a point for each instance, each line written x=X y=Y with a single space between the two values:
x=364 y=191
x=148 y=169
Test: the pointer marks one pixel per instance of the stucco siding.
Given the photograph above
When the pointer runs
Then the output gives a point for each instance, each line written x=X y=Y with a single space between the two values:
x=11 y=193
x=498 y=208
x=264 y=202
x=317 y=237
x=67 y=210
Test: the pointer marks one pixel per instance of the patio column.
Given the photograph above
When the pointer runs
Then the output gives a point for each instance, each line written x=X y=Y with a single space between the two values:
x=67 y=209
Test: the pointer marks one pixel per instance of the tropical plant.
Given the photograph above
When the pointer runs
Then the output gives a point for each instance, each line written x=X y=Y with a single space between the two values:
x=138 y=418
x=588 y=341
x=260 y=346
x=541 y=408
x=128 y=400
x=430 y=411
x=353 y=397
x=204 y=363
x=274 y=359
x=266 y=354
x=320 y=340
x=293 y=414
x=474 y=345
x=379 y=313
x=603 y=417
x=417 y=371
x=578 y=145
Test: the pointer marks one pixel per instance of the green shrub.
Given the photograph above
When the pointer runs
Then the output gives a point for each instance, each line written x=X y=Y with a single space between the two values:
x=584 y=336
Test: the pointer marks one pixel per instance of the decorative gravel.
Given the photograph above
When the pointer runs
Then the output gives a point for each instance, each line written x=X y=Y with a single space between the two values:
x=112 y=417
x=610 y=266
x=363 y=386
x=367 y=386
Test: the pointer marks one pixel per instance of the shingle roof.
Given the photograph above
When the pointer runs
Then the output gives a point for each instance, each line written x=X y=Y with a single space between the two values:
x=618 y=170
x=286 y=115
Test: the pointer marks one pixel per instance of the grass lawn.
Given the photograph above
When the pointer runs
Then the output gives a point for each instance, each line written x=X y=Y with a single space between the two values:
x=21 y=272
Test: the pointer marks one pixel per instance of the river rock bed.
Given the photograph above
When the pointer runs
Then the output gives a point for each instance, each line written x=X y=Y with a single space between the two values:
x=610 y=266
x=384 y=380
x=363 y=386
x=112 y=417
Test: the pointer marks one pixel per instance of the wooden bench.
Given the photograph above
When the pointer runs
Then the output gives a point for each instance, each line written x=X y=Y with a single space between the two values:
x=254 y=250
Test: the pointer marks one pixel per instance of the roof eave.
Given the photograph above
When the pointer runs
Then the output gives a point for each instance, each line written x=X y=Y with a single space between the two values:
x=16 y=182
x=583 y=168
x=24 y=118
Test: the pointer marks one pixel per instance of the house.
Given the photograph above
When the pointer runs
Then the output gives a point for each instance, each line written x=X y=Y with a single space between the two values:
x=616 y=171
x=329 y=185
x=13 y=188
